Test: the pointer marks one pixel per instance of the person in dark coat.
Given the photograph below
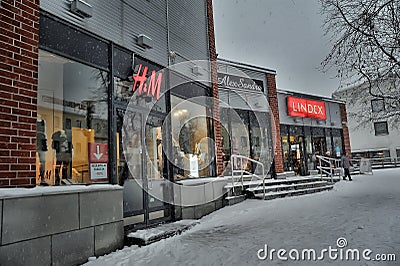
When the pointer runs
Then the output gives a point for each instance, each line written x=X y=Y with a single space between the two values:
x=346 y=163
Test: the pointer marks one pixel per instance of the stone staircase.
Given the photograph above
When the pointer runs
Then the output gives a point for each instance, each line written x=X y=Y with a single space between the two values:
x=276 y=188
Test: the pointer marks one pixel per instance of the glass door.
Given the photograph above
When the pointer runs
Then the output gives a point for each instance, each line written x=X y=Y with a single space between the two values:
x=297 y=154
x=130 y=166
x=159 y=187
x=141 y=168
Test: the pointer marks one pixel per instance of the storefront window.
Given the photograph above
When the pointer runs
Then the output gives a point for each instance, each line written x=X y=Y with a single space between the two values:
x=240 y=133
x=72 y=123
x=226 y=141
x=285 y=147
x=329 y=151
x=191 y=137
x=311 y=162
x=337 y=142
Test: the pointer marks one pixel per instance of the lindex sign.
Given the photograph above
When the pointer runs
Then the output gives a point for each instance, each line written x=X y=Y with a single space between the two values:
x=98 y=161
x=306 y=108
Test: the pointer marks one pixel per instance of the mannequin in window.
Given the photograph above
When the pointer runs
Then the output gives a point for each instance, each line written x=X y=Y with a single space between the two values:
x=41 y=148
x=63 y=150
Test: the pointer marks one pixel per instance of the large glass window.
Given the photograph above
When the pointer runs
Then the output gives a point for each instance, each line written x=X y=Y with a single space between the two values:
x=337 y=142
x=328 y=133
x=226 y=140
x=191 y=134
x=261 y=137
x=285 y=147
x=72 y=123
x=311 y=163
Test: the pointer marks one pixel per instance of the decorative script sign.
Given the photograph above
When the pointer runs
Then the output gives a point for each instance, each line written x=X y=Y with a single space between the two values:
x=235 y=82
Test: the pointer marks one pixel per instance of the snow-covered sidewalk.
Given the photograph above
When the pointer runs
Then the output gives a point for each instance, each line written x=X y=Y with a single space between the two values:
x=366 y=212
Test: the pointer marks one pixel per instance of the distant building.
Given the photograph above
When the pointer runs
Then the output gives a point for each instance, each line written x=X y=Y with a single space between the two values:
x=373 y=127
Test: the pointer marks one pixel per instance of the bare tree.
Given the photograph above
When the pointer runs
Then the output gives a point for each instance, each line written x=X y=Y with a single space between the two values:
x=365 y=37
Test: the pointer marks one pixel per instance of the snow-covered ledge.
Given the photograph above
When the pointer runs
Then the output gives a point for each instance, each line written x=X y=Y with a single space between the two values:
x=53 y=190
x=61 y=225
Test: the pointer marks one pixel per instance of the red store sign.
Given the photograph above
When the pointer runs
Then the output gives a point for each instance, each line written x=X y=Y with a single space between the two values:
x=306 y=108
x=151 y=85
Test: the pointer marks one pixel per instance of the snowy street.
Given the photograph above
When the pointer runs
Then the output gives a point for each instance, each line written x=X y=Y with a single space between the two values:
x=366 y=212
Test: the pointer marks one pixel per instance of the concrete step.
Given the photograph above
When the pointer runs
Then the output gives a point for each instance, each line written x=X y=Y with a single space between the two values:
x=283 y=187
x=234 y=199
x=154 y=234
x=272 y=182
x=294 y=192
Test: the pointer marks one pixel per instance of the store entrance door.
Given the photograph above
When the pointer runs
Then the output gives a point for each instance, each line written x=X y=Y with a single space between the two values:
x=140 y=169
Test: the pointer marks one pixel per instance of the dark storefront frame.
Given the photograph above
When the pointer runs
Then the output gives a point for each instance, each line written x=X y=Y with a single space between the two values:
x=247 y=117
x=92 y=50
x=307 y=134
x=102 y=59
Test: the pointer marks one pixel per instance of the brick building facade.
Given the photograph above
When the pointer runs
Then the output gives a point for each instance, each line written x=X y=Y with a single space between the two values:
x=19 y=41
x=346 y=136
x=19 y=85
x=213 y=58
x=273 y=102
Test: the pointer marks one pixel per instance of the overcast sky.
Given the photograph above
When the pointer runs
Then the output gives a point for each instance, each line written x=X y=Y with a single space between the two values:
x=284 y=35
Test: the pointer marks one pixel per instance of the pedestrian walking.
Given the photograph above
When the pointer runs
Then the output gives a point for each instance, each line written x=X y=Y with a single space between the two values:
x=346 y=163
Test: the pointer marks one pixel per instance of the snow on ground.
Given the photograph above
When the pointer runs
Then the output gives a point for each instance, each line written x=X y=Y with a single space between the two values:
x=365 y=211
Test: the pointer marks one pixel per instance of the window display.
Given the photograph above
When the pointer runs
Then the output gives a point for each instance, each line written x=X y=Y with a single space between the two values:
x=70 y=91
x=191 y=139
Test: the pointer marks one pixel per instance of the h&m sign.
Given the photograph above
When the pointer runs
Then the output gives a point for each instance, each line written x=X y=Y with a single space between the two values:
x=235 y=82
x=306 y=108
x=149 y=85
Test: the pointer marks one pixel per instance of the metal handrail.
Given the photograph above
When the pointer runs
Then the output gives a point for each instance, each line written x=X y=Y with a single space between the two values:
x=333 y=164
x=243 y=171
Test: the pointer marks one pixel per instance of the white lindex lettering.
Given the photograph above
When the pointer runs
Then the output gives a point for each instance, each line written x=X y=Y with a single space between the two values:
x=303 y=108
x=320 y=110
x=307 y=108
x=294 y=107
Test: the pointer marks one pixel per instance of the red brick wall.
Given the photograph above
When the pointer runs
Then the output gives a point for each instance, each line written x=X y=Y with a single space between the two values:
x=214 y=78
x=276 y=131
x=346 y=136
x=19 y=38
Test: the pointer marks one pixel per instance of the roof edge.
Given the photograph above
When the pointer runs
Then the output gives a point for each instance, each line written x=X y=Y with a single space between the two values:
x=247 y=66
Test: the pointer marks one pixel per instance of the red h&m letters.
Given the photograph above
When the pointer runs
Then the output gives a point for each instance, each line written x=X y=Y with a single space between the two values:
x=152 y=88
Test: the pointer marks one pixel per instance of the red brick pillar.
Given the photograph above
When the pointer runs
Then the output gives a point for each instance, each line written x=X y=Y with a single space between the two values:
x=276 y=131
x=19 y=40
x=346 y=137
x=214 y=79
